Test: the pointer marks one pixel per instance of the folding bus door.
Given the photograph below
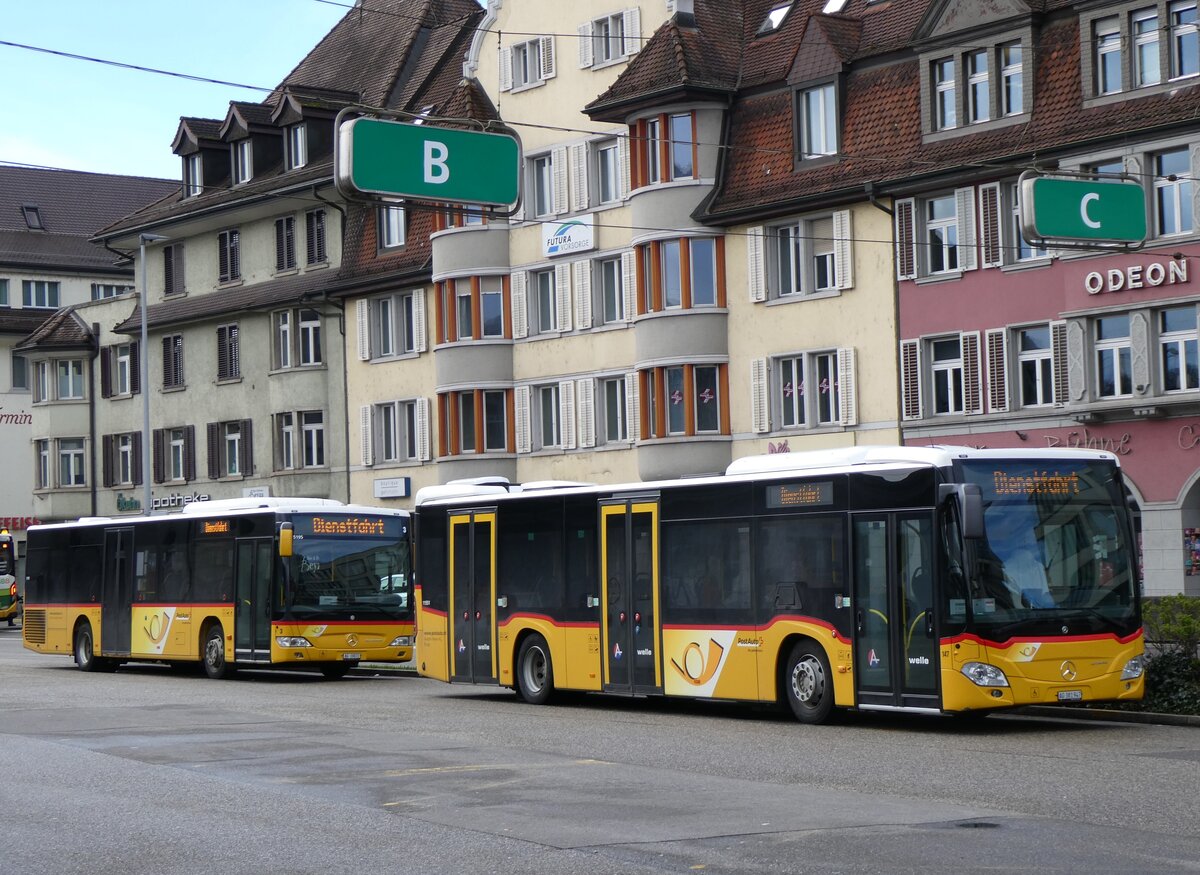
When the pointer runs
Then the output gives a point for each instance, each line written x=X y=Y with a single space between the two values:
x=472 y=575
x=116 y=603
x=630 y=625
x=252 y=617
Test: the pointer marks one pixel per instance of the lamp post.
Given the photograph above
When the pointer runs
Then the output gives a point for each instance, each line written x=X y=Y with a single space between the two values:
x=144 y=367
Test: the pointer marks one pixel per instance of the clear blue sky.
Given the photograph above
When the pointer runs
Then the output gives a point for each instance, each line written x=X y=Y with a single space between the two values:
x=61 y=112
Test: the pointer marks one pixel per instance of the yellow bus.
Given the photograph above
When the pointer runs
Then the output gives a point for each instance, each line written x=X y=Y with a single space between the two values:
x=247 y=583
x=940 y=580
x=10 y=599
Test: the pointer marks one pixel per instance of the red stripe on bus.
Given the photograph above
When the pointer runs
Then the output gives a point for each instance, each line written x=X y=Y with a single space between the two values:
x=433 y=612
x=1045 y=639
x=561 y=624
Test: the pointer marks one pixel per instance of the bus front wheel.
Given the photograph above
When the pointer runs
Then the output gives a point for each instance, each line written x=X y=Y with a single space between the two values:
x=216 y=665
x=535 y=675
x=808 y=684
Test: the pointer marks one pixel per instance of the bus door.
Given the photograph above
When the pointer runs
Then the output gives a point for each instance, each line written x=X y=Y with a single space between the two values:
x=472 y=596
x=631 y=630
x=116 y=598
x=895 y=643
x=252 y=616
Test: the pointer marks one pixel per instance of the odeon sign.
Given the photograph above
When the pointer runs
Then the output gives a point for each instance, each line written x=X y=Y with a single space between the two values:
x=1137 y=276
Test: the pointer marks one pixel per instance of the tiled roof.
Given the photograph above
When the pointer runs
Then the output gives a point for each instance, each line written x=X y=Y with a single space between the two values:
x=20 y=322
x=62 y=330
x=71 y=202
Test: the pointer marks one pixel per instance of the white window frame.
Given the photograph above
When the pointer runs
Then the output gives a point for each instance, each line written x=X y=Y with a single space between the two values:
x=608 y=40
x=285 y=441
x=284 y=341
x=948 y=244
x=1106 y=40
x=297 y=146
x=68 y=380
x=979 y=98
x=818 y=121
x=72 y=470
x=310 y=352
x=947 y=377
x=43 y=472
x=243 y=161
x=616 y=409
x=391 y=226
x=611 y=289
x=231 y=448
x=1184 y=37
x=1022 y=250
x=193 y=175
x=945 y=96
x=123 y=370
x=1173 y=194
x=550 y=426
x=1147 y=60
x=124 y=472
x=1185 y=343
x=41 y=294
x=1039 y=362
x=545 y=301
x=1118 y=352
x=177 y=442
x=542 y=184
x=607 y=154
x=491 y=289
x=1012 y=78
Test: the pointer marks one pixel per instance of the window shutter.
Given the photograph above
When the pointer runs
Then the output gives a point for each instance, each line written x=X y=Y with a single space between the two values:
x=223 y=257
x=623 y=160
x=997 y=356
x=1077 y=368
x=579 y=176
x=633 y=30
x=158 y=456
x=1139 y=343
x=214 y=450
x=524 y=435
x=847 y=386
x=1058 y=347
x=106 y=369
x=362 y=313
x=178 y=283
x=235 y=254
x=566 y=413
x=990 y=237
x=247 y=447
x=562 y=293
x=137 y=459
x=633 y=410
x=506 y=68
x=316 y=236
x=423 y=442
x=189 y=452
x=968 y=256
x=559 y=161
x=906 y=244
x=585 y=398
x=972 y=373
x=280 y=244
x=419 y=342
x=168 y=270
x=755 y=274
x=222 y=353
x=107 y=442
x=910 y=379
x=365 y=435
x=520 y=308
x=547 y=49
x=843 y=249
x=585 y=45
x=135 y=367
x=629 y=284
x=583 y=293
x=760 y=418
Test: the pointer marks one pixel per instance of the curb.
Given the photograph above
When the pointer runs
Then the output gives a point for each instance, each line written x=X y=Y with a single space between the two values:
x=370 y=669
x=1146 y=717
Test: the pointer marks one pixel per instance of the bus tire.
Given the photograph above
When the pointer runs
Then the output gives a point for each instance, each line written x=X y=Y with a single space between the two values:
x=85 y=649
x=336 y=670
x=216 y=664
x=535 y=674
x=808 y=683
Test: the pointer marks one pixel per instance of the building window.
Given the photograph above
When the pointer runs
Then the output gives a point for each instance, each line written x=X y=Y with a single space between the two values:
x=474 y=421
x=40 y=293
x=1107 y=45
x=978 y=96
x=70 y=462
x=659 y=157
x=393 y=323
x=42 y=453
x=125 y=457
x=615 y=428
x=70 y=379
x=229 y=266
x=527 y=64
x=1025 y=251
x=543 y=185
x=3 y=292
x=612 y=290
x=312 y=429
x=941 y=234
x=944 y=93
x=243 y=164
x=1172 y=193
x=1185 y=48
x=121 y=459
x=472 y=308
x=818 y=122
x=808 y=390
x=229 y=359
x=297 y=146
x=947 y=368
x=126 y=367
x=172 y=352
x=297 y=336
x=314 y=226
x=391 y=226
x=608 y=39
x=174 y=454
x=41 y=382
x=285 y=441
x=684 y=400
x=396 y=431
x=650 y=150
x=20 y=373
x=1178 y=352
x=608 y=172
x=285 y=243
x=1146 y=65
x=193 y=176
x=228 y=449
x=775 y=18
x=1114 y=371
x=173 y=269
x=545 y=301
x=1011 y=79
x=802 y=258
x=101 y=291
x=32 y=214
x=682 y=147
x=549 y=430
x=310 y=337
x=665 y=283
x=1035 y=358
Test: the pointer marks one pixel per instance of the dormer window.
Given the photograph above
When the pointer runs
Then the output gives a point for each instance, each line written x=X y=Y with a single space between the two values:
x=297 y=146
x=944 y=93
x=775 y=18
x=818 y=122
x=193 y=178
x=243 y=158
x=983 y=86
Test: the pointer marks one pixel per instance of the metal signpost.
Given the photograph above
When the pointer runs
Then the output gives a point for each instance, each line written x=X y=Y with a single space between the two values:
x=1094 y=212
x=386 y=159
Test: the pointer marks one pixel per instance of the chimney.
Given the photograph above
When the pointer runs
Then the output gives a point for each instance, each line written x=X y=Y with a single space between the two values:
x=683 y=12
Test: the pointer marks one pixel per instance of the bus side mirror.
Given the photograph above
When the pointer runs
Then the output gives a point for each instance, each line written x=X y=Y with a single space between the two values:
x=969 y=499
x=285 y=540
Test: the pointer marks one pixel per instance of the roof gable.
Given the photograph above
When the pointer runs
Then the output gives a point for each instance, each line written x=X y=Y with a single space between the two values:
x=949 y=17
x=827 y=45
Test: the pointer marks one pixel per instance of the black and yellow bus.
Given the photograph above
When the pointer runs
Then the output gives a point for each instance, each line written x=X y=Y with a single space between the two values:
x=254 y=583
x=10 y=598
x=930 y=580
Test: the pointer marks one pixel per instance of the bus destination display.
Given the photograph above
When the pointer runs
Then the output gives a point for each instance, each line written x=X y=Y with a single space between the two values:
x=800 y=494
x=350 y=526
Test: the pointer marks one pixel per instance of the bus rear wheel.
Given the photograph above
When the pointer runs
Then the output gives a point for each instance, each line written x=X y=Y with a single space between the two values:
x=85 y=650
x=216 y=665
x=535 y=675
x=808 y=684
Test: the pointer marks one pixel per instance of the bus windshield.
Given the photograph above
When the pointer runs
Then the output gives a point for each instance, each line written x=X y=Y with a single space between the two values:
x=1055 y=557
x=349 y=568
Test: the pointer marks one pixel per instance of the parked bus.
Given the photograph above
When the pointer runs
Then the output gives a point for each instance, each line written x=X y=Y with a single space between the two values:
x=254 y=583
x=940 y=580
x=10 y=599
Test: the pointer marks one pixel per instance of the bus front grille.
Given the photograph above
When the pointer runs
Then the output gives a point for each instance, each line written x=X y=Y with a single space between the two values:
x=35 y=626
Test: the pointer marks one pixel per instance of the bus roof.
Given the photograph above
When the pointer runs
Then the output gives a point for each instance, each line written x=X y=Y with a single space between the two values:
x=241 y=506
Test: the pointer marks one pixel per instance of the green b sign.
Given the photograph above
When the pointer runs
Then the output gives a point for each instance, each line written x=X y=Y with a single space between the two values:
x=1100 y=211
x=421 y=162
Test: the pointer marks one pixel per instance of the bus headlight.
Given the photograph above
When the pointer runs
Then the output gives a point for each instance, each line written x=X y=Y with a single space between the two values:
x=401 y=641
x=1133 y=669
x=983 y=675
x=286 y=641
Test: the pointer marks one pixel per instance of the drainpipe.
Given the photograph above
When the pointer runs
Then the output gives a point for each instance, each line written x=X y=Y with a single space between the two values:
x=870 y=191
x=92 y=389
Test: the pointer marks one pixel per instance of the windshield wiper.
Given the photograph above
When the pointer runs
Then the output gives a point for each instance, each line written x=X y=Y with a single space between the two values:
x=1104 y=618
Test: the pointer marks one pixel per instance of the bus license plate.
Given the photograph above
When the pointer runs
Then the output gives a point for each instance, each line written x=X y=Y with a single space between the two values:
x=359 y=656
x=1070 y=695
